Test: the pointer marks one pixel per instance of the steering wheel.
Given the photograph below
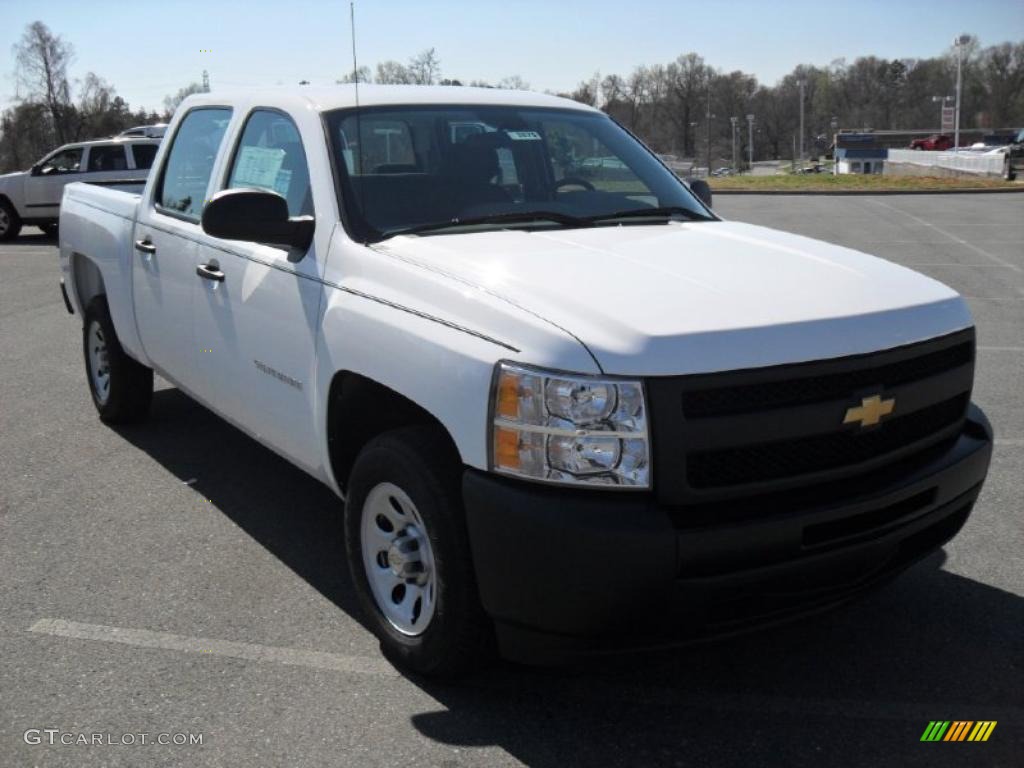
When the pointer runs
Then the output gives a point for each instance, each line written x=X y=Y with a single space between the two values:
x=574 y=181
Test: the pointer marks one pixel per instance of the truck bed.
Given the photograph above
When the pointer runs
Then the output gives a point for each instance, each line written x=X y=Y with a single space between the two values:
x=98 y=221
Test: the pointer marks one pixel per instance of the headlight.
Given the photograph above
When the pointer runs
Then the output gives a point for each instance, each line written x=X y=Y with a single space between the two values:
x=569 y=429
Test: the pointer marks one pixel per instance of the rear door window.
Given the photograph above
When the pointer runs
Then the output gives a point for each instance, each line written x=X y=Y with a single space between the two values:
x=186 y=173
x=107 y=157
x=144 y=154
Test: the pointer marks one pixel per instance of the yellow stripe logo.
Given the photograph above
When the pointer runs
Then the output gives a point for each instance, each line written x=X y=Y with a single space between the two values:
x=958 y=730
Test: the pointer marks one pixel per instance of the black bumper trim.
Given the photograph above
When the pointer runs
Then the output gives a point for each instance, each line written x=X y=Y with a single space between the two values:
x=568 y=572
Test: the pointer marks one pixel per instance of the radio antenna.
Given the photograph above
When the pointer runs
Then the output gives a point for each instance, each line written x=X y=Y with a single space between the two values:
x=355 y=65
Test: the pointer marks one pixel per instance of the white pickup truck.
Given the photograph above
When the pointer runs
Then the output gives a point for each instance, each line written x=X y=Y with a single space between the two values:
x=569 y=409
x=33 y=196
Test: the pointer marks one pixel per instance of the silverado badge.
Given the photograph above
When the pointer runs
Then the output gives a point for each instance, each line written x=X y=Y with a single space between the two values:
x=870 y=411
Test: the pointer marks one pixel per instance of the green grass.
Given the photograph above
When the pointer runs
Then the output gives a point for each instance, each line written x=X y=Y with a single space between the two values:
x=823 y=182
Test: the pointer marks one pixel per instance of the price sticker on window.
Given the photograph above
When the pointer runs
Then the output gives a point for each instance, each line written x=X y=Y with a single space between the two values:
x=523 y=135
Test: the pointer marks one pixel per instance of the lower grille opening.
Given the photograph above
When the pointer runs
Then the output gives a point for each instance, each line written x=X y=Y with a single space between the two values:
x=875 y=520
x=775 y=602
x=788 y=458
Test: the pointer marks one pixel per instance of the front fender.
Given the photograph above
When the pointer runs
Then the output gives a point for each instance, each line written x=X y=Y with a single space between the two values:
x=445 y=371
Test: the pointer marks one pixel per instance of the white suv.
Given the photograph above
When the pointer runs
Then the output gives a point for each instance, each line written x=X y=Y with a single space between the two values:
x=33 y=196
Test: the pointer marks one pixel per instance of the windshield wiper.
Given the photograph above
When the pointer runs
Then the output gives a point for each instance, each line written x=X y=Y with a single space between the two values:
x=639 y=213
x=516 y=217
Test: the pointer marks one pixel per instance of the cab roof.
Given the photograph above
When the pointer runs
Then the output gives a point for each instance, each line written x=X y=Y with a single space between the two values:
x=325 y=98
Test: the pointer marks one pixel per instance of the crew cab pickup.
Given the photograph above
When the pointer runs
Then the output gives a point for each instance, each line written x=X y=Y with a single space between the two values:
x=569 y=409
x=33 y=196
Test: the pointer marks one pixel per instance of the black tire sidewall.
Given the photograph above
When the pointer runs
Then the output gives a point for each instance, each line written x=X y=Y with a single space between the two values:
x=14 y=225
x=131 y=384
x=394 y=458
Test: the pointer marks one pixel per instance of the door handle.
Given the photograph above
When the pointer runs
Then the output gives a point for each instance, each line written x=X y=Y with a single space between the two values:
x=145 y=246
x=210 y=272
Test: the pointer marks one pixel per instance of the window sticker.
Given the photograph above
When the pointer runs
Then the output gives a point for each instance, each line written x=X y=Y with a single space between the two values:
x=523 y=135
x=258 y=167
x=282 y=182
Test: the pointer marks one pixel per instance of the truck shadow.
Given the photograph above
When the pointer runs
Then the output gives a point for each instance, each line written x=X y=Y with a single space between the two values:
x=854 y=687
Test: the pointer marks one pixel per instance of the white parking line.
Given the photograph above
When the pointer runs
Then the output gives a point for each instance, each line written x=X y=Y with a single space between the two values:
x=1014 y=441
x=951 y=236
x=144 y=638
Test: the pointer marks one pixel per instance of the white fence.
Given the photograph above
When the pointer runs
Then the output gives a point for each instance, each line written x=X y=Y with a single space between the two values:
x=965 y=161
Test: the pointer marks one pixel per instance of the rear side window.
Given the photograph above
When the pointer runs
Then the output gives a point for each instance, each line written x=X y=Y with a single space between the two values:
x=108 y=157
x=270 y=156
x=186 y=173
x=144 y=154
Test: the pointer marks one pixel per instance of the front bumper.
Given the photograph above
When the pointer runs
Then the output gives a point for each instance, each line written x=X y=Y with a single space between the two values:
x=564 y=573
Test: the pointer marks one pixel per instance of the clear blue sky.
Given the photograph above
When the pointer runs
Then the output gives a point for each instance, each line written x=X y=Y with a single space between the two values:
x=149 y=49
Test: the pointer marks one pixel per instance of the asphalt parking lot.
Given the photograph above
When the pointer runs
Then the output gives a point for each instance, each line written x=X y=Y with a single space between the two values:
x=177 y=577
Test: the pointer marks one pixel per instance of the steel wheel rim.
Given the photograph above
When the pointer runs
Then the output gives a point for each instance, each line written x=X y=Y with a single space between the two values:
x=99 y=362
x=398 y=559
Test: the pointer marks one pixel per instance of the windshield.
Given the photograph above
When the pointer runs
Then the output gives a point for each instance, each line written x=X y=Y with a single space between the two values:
x=436 y=169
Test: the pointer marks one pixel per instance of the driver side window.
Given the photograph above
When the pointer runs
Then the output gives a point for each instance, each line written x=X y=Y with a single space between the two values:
x=67 y=161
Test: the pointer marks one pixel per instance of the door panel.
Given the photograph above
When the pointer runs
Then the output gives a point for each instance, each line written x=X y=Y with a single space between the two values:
x=164 y=284
x=43 y=191
x=256 y=338
x=166 y=247
x=260 y=324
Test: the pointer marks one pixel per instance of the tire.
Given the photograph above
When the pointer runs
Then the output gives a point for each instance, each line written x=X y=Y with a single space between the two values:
x=411 y=476
x=10 y=221
x=121 y=388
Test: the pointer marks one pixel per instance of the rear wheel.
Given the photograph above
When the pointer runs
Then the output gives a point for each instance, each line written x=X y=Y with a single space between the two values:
x=121 y=388
x=408 y=553
x=10 y=221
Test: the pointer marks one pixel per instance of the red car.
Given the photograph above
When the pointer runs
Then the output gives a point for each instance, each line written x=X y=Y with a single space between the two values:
x=937 y=142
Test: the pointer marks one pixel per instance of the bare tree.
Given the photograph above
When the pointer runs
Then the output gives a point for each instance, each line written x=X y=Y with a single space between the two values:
x=101 y=112
x=425 y=67
x=513 y=83
x=171 y=102
x=42 y=73
x=393 y=73
x=361 y=75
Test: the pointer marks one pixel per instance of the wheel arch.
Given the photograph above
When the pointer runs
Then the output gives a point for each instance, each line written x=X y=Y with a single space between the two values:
x=359 y=409
x=86 y=281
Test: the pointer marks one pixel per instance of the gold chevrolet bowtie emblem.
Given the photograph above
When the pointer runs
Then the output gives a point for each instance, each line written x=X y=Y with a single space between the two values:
x=870 y=411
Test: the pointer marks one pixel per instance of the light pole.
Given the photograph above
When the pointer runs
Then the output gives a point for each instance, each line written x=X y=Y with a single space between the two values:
x=750 y=141
x=707 y=129
x=941 y=100
x=958 y=43
x=733 y=121
x=801 y=83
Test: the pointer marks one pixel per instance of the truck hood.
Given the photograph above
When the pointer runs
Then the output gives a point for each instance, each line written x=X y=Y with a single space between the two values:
x=696 y=297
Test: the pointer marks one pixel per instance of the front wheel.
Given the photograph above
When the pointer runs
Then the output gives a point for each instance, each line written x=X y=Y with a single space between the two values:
x=121 y=388
x=408 y=553
x=10 y=221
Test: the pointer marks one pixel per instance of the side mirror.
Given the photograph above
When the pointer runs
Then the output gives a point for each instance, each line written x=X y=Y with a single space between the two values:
x=36 y=170
x=258 y=216
x=700 y=188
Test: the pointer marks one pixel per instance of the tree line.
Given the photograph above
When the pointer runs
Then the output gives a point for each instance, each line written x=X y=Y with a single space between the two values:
x=682 y=107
